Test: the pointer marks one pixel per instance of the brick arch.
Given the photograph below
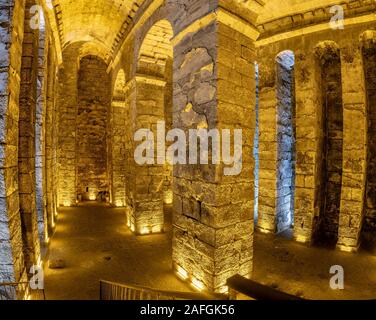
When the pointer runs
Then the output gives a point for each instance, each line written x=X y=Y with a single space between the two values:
x=156 y=46
x=94 y=48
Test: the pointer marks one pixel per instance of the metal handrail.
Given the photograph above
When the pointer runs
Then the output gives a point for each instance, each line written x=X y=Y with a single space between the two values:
x=115 y=291
x=256 y=291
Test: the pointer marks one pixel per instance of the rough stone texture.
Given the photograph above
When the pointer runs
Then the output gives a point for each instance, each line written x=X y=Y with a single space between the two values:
x=51 y=136
x=91 y=124
x=286 y=141
x=332 y=144
x=118 y=126
x=40 y=146
x=277 y=143
x=26 y=142
x=355 y=119
x=369 y=60
x=67 y=104
x=12 y=267
x=308 y=122
x=212 y=214
x=149 y=100
x=48 y=158
x=268 y=146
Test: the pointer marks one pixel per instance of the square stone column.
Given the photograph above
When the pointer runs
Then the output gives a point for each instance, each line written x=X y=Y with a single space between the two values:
x=26 y=141
x=67 y=106
x=214 y=88
x=145 y=212
x=309 y=140
x=355 y=126
x=268 y=145
x=116 y=142
x=12 y=267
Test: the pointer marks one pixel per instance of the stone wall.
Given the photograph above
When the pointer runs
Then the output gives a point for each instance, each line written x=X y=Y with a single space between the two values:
x=91 y=131
x=26 y=146
x=67 y=106
x=286 y=141
x=12 y=266
x=51 y=139
x=332 y=145
x=369 y=227
x=118 y=127
x=213 y=221
x=40 y=143
x=348 y=157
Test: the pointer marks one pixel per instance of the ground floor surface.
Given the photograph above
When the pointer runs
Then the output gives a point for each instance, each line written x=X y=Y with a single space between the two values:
x=95 y=244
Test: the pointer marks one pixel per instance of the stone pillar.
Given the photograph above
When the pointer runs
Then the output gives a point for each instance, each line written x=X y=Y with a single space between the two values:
x=40 y=138
x=93 y=106
x=26 y=146
x=67 y=100
x=354 y=148
x=147 y=215
x=268 y=145
x=214 y=88
x=12 y=266
x=51 y=141
x=118 y=127
x=309 y=139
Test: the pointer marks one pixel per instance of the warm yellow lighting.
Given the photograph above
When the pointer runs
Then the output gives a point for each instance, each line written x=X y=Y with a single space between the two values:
x=92 y=197
x=301 y=239
x=119 y=203
x=133 y=228
x=145 y=230
x=197 y=284
x=265 y=231
x=156 y=229
x=182 y=273
x=223 y=290
x=346 y=248
x=168 y=197
x=67 y=203
x=40 y=262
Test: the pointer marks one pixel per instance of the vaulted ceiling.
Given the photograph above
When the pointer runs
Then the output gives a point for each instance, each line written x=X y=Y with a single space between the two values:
x=102 y=23
x=99 y=22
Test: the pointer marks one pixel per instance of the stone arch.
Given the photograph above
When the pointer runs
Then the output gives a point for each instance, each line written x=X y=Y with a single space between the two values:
x=286 y=158
x=331 y=140
x=368 y=44
x=156 y=50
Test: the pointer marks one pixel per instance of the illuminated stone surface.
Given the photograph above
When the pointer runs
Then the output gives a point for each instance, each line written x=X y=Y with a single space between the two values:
x=75 y=91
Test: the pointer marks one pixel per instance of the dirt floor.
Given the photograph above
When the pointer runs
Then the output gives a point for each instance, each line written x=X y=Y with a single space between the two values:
x=95 y=244
x=294 y=268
